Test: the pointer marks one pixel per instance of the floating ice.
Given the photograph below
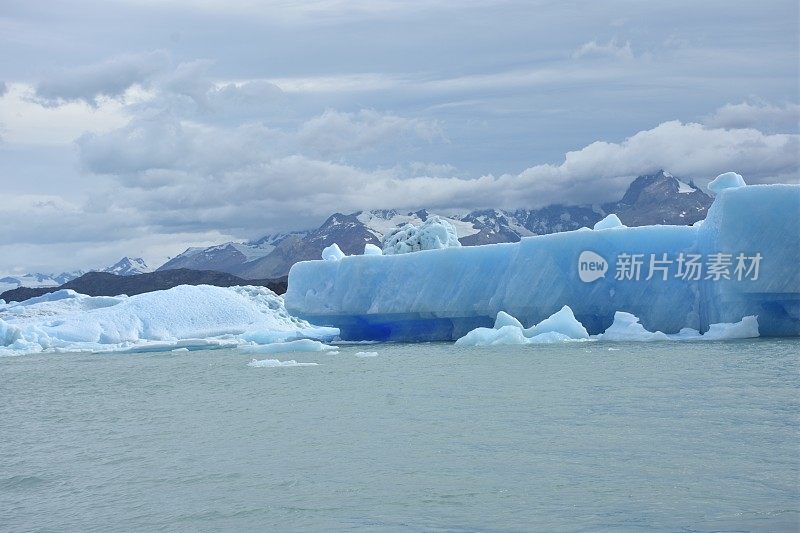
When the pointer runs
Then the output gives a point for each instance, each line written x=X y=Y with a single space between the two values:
x=301 y=345
x=435 y=233
x=626 y=327
x=366 y=354
x=371 y=249
x=332 y=253
x=184 y=316
x=444 y=294
x=274 y=363
x=729 y=180
x=609 y=222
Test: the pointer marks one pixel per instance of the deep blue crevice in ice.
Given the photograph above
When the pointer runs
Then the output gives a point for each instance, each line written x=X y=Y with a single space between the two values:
x=442 y=294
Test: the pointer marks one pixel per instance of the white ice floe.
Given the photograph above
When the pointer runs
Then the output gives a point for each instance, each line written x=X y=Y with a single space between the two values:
x=562 y=326
x=274 y=363
x=182 y=317
x=366 y=354
x=301 y=345
x=435 y=233
x=626 y=327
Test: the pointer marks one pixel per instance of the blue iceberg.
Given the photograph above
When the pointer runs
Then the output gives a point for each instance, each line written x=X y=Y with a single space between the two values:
x=743 y=260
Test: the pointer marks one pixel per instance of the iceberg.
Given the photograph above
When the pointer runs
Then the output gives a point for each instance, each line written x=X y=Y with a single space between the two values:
x=742 y=261
x=186 y=316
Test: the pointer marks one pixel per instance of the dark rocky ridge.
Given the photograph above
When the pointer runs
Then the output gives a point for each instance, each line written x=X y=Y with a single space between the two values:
x=106 y=284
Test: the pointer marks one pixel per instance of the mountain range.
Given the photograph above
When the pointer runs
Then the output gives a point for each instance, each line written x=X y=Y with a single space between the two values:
x=126 y=266
x=658 y=198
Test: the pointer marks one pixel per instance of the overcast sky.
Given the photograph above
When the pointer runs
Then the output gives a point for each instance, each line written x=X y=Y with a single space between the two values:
x=142 y=127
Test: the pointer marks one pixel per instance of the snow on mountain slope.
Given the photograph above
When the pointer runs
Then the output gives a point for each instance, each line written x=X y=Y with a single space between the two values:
x=128 y=266
x=230 y=257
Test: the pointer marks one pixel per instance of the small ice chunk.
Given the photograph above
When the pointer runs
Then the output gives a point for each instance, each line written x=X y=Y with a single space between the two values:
x=563 y=321
x=746 y=328
x=371 y=249
x=626 y=327
x=333 y=253
x=366 y=354
x=729 y=180
x=302 y=345
x=274 y=363
x=611 y=221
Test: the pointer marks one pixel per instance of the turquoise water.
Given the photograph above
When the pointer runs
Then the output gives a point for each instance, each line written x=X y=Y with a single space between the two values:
x=662 y=436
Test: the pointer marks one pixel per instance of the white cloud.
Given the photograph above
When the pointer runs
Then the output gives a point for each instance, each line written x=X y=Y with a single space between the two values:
x=610 y=49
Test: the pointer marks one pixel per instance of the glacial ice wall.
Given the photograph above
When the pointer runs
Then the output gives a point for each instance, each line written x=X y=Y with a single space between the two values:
x=743 y=260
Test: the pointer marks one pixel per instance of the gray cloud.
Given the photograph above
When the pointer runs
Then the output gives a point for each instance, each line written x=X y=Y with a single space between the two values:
x=240 y=180
x=109 y=78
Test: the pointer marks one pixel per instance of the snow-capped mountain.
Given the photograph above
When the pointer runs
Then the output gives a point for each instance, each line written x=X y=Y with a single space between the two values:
x=128 y=266
x=64 y=277
x=658 y=198
x=37 y=279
